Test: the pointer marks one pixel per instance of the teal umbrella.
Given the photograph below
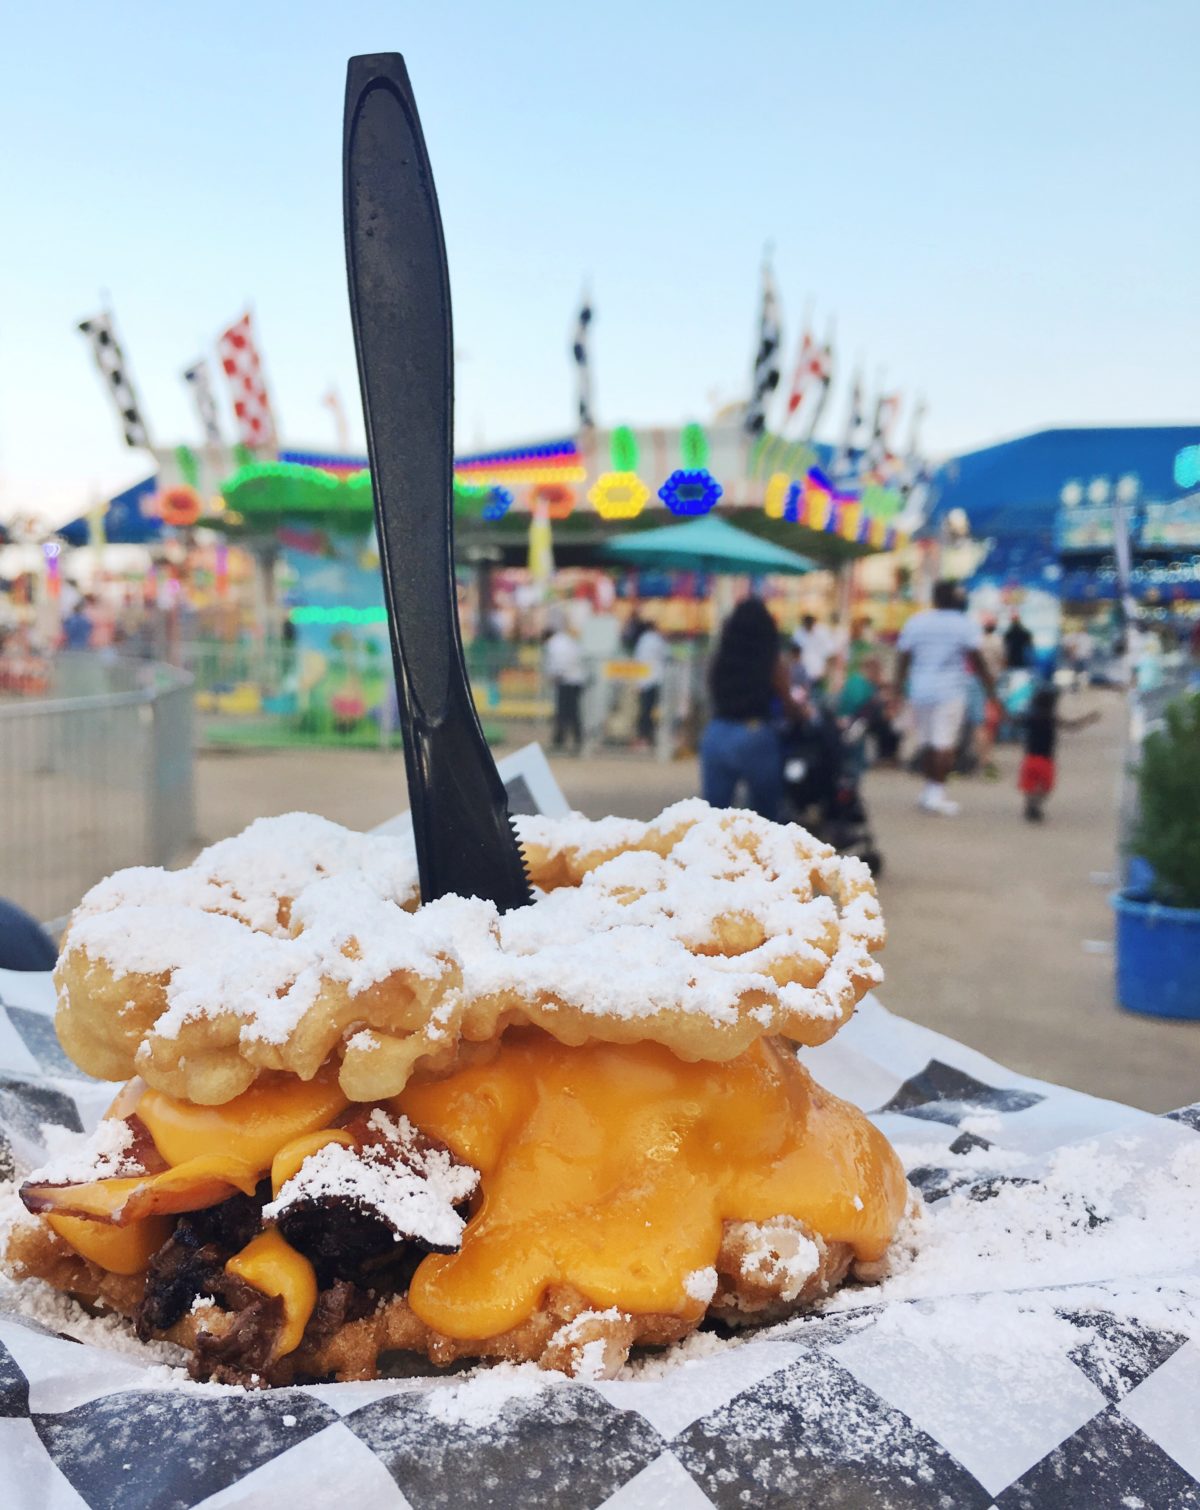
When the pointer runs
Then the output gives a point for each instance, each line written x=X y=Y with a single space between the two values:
x=710 y=544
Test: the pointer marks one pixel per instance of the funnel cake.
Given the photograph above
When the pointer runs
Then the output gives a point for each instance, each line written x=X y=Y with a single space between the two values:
x=702 y=931
x=354 y=1124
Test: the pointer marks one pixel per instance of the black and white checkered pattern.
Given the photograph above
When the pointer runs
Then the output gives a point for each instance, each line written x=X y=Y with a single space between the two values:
x=106 y=350
x=583 y=367
x=842 y=1410
x=199 y=381
x=766 y=357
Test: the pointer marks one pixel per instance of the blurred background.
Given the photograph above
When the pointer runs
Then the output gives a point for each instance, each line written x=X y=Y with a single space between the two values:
x=812 y=306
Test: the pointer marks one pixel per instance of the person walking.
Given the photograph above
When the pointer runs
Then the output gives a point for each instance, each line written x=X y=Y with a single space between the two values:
x=651 y=650
x=1042 y=723
x=79 y=626
x=940 y=650
x=748 y=684
x=565 y=668
x=1018 y=645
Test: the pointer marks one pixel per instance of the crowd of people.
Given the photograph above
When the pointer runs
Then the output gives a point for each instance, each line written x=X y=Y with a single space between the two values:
x=937 y=689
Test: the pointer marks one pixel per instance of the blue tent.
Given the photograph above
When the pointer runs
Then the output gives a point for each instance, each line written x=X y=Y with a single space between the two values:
x=1014 y=489
x=125 y=521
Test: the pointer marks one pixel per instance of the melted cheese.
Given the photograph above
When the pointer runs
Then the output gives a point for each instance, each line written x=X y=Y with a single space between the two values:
x=201 y=1182
x=120 y=1250
x=614 y=1168
x=252 y=1128
x=272 y=1265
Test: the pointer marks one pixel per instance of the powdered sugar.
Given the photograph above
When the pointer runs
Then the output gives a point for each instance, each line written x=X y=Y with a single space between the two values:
x=255 y=875
x=778 y=1255
x=106 y=1155
x=1098 y=1212
x=700 y=914
x=412 y=1186
x=481 y=1397
x=700 y=1285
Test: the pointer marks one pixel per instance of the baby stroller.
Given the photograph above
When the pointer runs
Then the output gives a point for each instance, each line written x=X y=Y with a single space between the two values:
x=822 y=769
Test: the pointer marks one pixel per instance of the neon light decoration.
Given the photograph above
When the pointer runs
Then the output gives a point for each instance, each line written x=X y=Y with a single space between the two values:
x=337 y=466
x=189 y=469
x=818 y=500
x=1187 y=467
x=849 y=517
x=556 y=498
x=775 y=495
x=689 y=491
x=623 y=449
x=51 y=551
x=470 y=501
x=693 y=447
x=621 y=493
x=557 y=462
x=880 y=502
x=180 y=507
x=618 y=495
x=498 y=504
x=341 y=614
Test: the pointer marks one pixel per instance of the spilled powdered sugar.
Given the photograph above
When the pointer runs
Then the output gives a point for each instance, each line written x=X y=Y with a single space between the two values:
x=106 y=1155
x=415 y=1194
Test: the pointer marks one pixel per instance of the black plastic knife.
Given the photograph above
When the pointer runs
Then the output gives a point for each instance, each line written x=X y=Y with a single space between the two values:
x=400 y=309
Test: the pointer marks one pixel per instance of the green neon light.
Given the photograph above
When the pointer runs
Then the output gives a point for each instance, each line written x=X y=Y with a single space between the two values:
x=693 y=445
x=624 y=450
x=341 y=614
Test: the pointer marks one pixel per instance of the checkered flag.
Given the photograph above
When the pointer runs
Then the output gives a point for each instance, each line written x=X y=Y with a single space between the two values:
x=108 y=356
x=583 y=370
x=766 y=358
x=199 y=381
x=242 y=365
x=887 y=406
x=847 y=451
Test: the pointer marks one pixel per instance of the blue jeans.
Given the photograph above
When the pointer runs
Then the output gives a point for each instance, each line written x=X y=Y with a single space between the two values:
x=742 y=752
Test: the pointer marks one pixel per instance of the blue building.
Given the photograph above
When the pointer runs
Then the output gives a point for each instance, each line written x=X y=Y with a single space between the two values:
x=1052 y=505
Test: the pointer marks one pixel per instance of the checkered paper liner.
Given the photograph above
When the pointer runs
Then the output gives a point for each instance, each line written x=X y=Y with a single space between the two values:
x=830 y=1411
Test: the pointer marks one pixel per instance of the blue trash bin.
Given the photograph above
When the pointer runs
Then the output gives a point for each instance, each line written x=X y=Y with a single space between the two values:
x=1158 y=958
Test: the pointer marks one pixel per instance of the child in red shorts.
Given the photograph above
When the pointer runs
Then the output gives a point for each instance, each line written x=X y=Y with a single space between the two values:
x=1042 y=724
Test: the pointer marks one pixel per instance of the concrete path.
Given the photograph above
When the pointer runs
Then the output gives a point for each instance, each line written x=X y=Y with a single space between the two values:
x=999 y=932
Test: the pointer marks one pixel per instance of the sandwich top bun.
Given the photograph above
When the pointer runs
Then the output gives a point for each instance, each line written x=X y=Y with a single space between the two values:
x=299 y=944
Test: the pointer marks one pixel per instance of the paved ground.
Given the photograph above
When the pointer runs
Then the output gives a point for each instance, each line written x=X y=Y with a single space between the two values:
x=998 y=932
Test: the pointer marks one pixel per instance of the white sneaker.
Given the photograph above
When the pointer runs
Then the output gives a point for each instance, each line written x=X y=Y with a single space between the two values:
x=939 y=803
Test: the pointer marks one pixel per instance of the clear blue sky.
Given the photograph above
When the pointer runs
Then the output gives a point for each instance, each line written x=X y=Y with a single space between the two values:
x=997 y=204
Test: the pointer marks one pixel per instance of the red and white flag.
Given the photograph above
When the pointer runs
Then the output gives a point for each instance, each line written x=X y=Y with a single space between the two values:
x=240 y=359
x=814 y=369
x=803 y=374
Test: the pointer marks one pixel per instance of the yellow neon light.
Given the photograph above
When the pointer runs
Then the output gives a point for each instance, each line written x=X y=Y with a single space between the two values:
x=618 y=495
x=775 y=497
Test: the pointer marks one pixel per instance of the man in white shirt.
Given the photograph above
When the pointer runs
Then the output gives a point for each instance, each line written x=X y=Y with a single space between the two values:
x=818 y=644
x=651 y=650
x=939 y=653
x=565 y=668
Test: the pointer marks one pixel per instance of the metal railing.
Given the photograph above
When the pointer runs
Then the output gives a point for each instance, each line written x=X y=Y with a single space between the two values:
x=94 y=776
x=510 y=685
x=223 y=665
